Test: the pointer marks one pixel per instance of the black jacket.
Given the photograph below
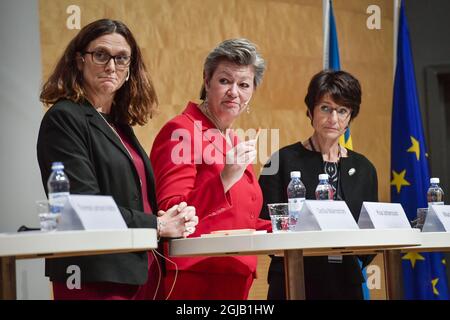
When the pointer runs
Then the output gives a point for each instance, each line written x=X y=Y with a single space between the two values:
x=321 y=278
x=96 y=163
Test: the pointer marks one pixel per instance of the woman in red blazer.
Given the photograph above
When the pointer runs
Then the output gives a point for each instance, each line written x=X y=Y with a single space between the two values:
x=198 y=159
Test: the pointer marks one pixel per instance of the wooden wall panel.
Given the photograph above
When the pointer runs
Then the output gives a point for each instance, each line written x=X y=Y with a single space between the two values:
x=368 y=54
x=176 y=35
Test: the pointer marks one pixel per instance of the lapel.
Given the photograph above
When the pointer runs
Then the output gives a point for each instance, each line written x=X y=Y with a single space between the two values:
x=97 y=121
x=148 y=167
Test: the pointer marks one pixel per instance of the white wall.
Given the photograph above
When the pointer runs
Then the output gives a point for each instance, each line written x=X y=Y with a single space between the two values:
x=20 y=116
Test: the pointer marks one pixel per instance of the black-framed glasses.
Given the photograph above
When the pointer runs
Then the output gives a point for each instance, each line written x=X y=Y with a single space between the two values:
x=102 y=58
x=342 y=112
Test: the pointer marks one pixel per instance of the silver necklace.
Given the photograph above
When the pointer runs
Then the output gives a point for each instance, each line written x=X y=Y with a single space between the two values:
x=333 y=169
x=320 y=151
x=117 y=134
x=205 y=111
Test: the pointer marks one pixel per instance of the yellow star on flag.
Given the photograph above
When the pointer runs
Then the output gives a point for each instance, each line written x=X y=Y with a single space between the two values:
x=434 y=283
x=415 y=147
x=399 y=180
x=444 y=262
x=413 y=257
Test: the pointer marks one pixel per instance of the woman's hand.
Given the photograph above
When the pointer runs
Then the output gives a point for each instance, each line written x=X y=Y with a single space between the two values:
x=178 y=221
x=237 y=159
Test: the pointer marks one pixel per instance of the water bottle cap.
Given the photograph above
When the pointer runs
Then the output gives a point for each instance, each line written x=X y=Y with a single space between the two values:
x=57 y=166
x=434 y=180
x=295 y=174
x=323 y=176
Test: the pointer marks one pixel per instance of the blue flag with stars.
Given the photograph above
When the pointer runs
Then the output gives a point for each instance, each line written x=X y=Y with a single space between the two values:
x=424 y=274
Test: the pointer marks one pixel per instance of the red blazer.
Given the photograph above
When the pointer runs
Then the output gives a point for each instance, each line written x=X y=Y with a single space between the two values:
x=187 y=156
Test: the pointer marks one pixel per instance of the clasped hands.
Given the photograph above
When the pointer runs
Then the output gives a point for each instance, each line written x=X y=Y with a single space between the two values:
x=178 y=221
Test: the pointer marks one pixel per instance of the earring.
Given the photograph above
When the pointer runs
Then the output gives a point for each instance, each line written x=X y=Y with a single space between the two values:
x=248 y=109
x=82 y=59
x=128 y=75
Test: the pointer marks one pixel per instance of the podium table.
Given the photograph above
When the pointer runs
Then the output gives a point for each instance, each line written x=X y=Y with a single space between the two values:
x=57 y=244
x=432 y=241
x=296 y=245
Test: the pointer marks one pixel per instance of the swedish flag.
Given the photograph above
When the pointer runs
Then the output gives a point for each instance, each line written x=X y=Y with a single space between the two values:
x=331 y=60
x=424 y=273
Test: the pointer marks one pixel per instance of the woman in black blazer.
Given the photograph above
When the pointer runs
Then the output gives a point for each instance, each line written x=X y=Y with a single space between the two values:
x=98 y=90
x=333 y=100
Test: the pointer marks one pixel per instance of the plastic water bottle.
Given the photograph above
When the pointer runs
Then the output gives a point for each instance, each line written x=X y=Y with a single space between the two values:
x=324 y=190
x=58 y=188
x=435 y=194
x=296 y=192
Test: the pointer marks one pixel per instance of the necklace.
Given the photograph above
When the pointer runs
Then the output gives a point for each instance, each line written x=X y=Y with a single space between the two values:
x=205 y=110
x=333 y=169
x=315 y=150
x=117 y=134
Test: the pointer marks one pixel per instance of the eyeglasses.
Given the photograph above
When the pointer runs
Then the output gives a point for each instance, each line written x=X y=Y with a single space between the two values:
x=102 y=58
x=342 y=112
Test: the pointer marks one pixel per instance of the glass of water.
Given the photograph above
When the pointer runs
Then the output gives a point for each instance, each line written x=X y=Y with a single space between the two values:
x=48 y=221
x=279 y=215
x=420 y=219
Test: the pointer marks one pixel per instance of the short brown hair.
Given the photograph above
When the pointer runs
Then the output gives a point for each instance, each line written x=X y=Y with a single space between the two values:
x=135 y=102
x=342 y=87
x=239 y=51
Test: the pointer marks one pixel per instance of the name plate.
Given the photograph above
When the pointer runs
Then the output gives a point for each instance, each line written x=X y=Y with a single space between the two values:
x=85 y=212
x=437 y=219
x=380 y=215
x=325 y=215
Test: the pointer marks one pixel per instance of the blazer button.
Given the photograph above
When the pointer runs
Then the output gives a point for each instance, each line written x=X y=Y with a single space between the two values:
x=252 y=216
x=253 y=197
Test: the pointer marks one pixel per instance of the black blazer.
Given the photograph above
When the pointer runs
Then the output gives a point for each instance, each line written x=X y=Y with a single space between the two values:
x=321 y=277
x=96 y=163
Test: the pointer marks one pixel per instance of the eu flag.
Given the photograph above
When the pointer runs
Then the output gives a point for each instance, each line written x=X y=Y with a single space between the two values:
x=424 y=273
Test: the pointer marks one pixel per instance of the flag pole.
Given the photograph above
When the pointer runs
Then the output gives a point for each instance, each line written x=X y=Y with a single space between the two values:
x=397 y=4
x=326 y=33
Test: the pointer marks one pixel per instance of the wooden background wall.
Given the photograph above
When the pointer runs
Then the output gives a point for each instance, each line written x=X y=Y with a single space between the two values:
x=176 y=35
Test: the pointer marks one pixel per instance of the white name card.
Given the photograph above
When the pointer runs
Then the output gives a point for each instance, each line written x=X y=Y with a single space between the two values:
x=85 y=212
x=325 y=215
x=380 y=215
x=437 y=219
